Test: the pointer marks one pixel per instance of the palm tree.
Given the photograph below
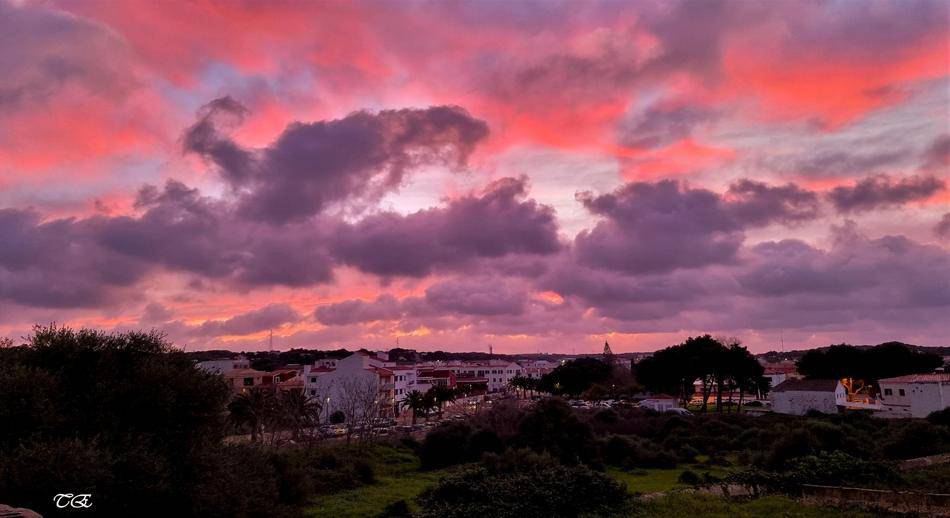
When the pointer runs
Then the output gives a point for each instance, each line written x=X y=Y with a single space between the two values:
x=299 y=411
x=415 y=401
x=254 y=409
x=441 y=395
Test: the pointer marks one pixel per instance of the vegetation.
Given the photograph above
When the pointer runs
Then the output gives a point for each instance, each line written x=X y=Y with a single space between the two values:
x=870 y=364
x=522 y=484
x=677 y=505
x=722 y=369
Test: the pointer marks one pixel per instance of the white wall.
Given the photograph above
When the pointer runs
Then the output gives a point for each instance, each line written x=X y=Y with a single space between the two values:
x=800 y=402
x=918 y=400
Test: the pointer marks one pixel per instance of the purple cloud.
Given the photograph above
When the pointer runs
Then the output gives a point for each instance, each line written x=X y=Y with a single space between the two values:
x=494 y=223
x=662 y=226
x=883 y=191
x=313 y=165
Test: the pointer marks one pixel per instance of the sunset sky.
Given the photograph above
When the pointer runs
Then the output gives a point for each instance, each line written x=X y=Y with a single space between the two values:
x=538 y=176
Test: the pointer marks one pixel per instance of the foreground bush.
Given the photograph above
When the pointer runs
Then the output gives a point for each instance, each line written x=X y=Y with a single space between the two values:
x=523 y=485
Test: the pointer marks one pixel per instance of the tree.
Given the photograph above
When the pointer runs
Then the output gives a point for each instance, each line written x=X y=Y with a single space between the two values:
x=441 y=395
x=361 y=403
x=870 y=364
x=574 y=377
x=128 y=406
x=253 y=409
x=416 y=402
x=746 y=372
x=299 y=411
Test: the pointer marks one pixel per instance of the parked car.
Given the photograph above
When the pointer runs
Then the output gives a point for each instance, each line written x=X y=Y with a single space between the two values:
x=679 y=411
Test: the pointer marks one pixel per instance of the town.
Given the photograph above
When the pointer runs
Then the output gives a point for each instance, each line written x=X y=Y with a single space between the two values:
x=401 y=432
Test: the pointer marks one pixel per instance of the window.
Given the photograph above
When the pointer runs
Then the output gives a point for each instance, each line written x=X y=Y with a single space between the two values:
x=248 y=382
x=888 y=392
x=901 y=391
x=313 y=392
x=313 y=379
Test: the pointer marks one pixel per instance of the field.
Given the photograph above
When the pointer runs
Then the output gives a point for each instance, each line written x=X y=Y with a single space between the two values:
x=677 y=505
x=397 y=478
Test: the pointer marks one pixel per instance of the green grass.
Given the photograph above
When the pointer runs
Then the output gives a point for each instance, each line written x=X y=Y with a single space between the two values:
x=397 y=478
x=657 y=480
x=677 y=505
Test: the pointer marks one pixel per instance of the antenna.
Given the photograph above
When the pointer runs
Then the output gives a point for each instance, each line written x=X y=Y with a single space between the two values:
x=270 y=341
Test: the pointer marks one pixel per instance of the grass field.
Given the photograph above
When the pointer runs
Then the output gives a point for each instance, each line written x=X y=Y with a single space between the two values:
x=397 y=478
x=678 y=505
x=657 y=480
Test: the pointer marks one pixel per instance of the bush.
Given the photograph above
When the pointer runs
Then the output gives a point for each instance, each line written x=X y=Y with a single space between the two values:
x=551 y=426
x=689 y=478
x=397 y=509
x=917 y=439
x=521 y=484
x=940 y=417
x=446 y=445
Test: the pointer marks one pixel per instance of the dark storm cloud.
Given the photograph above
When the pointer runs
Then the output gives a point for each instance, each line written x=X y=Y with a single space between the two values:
x=662 y=226
x=494 y=223
x=884 y=191
x=312 y=165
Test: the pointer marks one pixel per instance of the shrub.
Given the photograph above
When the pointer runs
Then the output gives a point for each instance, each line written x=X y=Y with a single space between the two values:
x=521 y=484
x=689 y=478
x=446 y=445
x=916 y=439
x=397 y=509
x=940 y=417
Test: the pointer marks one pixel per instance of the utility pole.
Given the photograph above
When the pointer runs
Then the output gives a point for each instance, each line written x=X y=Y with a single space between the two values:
x=270 y=341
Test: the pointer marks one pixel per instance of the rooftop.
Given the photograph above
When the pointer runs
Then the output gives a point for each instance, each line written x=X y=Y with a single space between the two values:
x=934 y=377
x=806 y=385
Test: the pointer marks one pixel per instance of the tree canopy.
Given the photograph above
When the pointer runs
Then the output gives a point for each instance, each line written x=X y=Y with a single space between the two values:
x=574 y=377
x=870 y=364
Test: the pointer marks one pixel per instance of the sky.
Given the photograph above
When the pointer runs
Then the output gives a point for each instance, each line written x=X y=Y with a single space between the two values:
x=535 y=176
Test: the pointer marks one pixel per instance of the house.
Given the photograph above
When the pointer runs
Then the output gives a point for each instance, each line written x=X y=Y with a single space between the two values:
x=334 y=386
x=660 y=403
x=225 y=365
x=914 y=395
x=243 y=380
x=798 y=396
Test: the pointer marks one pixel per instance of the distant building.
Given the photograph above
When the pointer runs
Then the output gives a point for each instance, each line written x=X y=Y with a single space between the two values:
x=660 y=403
x=798 y=396
x=914 y=395
x=226 y=365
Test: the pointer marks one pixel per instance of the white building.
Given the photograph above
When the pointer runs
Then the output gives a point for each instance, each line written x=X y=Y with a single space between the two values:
x=498 y=373
x=660 y=403
x=359 y=370
x=914 y=395
x=404 y=381
x=798 y=396
x=224 y=366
